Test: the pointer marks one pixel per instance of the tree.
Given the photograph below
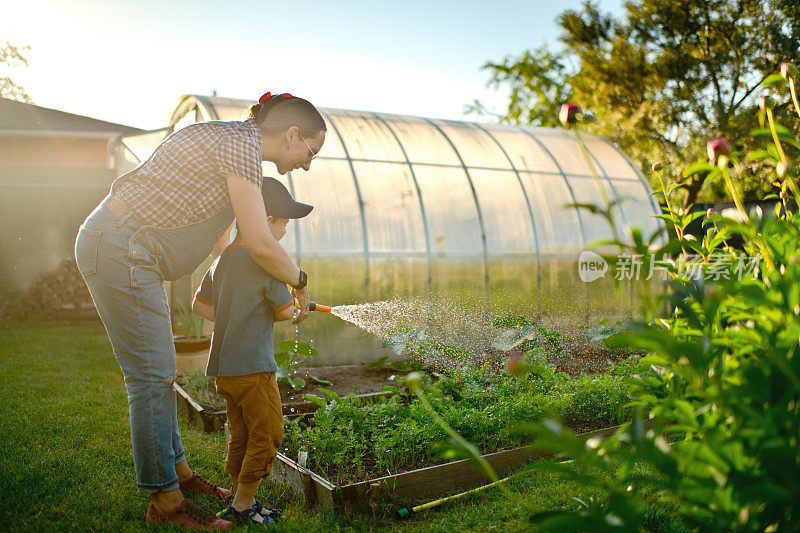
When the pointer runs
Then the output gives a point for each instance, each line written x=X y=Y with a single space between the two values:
x=667 y=77
x=13 y=56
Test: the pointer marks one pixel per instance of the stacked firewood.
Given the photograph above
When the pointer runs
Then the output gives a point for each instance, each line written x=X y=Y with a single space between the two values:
x=54 y=294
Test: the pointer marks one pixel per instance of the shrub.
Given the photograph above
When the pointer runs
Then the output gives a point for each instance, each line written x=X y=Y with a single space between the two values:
x=721 y=384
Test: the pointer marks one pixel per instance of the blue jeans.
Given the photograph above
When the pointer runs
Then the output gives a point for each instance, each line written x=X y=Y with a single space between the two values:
x=128 y=290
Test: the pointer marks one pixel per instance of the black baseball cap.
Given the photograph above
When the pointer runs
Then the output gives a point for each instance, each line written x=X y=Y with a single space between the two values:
x=279 y=201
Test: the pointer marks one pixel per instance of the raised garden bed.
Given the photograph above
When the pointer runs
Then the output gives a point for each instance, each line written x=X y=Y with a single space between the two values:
x=407 y=488
x=351 y=455
x=203 y=417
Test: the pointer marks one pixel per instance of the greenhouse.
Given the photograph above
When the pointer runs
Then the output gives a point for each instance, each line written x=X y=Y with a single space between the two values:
x=412 y=206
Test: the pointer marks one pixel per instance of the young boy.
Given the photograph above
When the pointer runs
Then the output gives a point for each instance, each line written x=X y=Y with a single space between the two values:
x=243 y=301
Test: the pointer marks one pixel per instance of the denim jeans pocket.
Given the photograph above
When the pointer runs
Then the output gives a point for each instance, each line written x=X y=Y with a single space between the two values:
x=143 y=265
x=86 y=246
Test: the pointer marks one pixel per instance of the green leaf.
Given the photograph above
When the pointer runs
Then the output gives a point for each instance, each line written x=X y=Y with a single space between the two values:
x=685 y=409
x=773 y=79
x=286 y=345
x=297 y=383
x=315 y=379
x=510 y=339
x=304 y=348
x=282 y=359
x=316 y=399
x=399 y=341
x=694 y=168
x=758 y=155
x=329 y=394
x=669 y=217
x=593 y=208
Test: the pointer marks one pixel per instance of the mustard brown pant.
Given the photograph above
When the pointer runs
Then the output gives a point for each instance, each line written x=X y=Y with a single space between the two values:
x=255 y=421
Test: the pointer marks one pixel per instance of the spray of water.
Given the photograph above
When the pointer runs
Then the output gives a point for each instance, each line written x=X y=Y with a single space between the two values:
x=466 y=325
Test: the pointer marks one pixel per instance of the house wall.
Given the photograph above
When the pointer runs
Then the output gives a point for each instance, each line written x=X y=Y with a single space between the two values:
x=48 y=185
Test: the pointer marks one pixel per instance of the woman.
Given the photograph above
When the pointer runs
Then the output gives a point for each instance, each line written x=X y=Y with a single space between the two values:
x=158 y=223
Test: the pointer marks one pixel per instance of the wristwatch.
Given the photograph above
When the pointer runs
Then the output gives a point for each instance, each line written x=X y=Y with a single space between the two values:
x=303 y=281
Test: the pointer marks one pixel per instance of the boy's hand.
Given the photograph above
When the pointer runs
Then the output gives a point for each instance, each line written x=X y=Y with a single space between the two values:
x=304 y=300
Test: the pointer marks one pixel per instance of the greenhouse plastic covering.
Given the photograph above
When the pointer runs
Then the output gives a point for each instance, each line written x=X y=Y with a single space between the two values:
x=391 y=185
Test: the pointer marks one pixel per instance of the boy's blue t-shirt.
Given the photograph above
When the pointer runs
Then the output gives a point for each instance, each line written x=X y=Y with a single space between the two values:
x=244 y=297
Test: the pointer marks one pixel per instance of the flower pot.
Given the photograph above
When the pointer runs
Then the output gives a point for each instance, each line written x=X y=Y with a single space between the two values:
x=186 y=363
x=184 y=344
x=191 y=353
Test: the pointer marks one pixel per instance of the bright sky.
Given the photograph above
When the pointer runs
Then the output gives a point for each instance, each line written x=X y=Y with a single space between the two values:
x=130 y=61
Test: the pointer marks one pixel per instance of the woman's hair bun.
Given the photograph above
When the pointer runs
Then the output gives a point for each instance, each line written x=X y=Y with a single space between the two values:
x=277 y=112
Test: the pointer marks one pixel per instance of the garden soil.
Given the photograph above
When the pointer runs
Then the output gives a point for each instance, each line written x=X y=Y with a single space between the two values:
x=345 y=379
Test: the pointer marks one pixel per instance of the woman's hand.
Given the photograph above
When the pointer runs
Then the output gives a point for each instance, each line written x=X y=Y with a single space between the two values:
x=304 y=300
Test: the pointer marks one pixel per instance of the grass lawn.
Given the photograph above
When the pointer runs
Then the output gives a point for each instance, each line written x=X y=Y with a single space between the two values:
x=66 y=462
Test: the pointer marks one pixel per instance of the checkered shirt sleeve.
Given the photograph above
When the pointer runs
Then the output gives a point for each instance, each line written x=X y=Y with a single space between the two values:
x=184 y=180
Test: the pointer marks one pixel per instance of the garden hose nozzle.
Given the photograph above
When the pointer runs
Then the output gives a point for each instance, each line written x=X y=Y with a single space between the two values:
x=314 y=306
x=405 y=512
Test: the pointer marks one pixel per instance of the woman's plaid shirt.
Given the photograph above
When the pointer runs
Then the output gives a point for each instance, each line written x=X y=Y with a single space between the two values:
x=183 y=180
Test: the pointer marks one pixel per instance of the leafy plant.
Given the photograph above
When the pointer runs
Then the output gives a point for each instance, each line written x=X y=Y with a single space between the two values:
x=524 y=335
x=201 y=388
x=189 y=324
x=418 y=350
x=348 y=439
x=292 y=354
x=602 y=331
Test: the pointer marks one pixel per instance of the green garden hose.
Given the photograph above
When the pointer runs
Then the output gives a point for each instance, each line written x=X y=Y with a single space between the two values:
x=406 y=512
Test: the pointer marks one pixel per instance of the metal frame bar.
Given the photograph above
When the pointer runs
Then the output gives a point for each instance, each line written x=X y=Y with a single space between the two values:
x=564 y=177
x=428 y=251
x=358 y=195
x=452 y=165
x=610 y=184
x=474 y=196
x=530 y=213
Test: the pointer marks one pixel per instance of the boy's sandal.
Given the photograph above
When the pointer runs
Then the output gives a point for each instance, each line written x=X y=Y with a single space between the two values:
x=198 y=484
x=275 y=514
x=248 y=516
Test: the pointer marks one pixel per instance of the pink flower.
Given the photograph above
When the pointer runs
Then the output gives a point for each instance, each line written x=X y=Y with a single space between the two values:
x=711 y=211
x=763 y=103
x=657 y=166
x=781 y=168
x=717 y=147
x=569 y=114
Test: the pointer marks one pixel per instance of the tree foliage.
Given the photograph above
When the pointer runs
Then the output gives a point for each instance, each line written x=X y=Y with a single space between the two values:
x=12 y=55
x=662 y=79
